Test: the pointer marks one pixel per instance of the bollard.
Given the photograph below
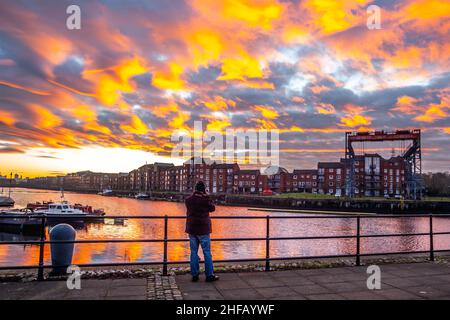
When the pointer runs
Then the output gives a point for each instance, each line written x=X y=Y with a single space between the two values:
x=62 y=252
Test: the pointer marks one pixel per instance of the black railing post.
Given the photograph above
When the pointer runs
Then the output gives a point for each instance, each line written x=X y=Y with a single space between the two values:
x=431 y=239
x=40 y=275
x=166 y=220
x=267 y=243
x=358 y=240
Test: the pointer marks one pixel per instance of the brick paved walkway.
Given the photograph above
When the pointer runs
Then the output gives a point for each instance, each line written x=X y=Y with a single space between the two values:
x=398 y=281
x=155 y=287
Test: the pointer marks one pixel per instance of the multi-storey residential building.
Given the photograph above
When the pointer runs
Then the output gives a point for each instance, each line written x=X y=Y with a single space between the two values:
x=195 y=169
x=123 y=182
x=222 y=177
x=305 y=180
x=393 y=176
x=247 y=181
x=374 y=176
x=277 y=179
x=331 y=179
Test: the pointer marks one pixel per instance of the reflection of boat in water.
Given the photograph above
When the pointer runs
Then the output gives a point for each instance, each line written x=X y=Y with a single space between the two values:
x=7 y=236
x=19 y=221
x=142 y=196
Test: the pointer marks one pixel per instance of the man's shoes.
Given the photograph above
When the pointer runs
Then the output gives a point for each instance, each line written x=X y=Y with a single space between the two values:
x=212 y=278
x=194 y=278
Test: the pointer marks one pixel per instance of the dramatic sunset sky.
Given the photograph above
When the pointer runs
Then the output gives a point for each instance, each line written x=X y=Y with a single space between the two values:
x=108 y=97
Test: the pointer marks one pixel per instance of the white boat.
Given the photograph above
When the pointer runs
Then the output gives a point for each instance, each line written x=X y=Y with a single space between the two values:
x=60 y=209
x=142 y=195
x=106 y=192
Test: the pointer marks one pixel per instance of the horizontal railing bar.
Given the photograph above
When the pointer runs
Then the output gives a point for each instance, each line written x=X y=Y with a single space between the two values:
x=89 y=265
x=219 y=239
x=31 y=216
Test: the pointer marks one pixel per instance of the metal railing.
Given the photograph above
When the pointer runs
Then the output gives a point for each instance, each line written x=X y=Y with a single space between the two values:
x=267 y=259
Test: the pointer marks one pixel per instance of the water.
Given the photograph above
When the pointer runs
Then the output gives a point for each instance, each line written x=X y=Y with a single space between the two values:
x=153 y=229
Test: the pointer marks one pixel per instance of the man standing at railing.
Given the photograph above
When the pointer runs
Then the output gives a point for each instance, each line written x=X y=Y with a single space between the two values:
x=198 y=226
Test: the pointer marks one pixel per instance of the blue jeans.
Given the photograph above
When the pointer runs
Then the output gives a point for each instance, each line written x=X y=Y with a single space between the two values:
x=205 y=242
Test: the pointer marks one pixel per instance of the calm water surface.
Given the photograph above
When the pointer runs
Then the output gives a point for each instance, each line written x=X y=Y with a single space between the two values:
x=153 y=229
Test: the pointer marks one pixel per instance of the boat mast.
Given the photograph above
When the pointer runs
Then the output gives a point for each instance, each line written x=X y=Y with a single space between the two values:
x=10 y=183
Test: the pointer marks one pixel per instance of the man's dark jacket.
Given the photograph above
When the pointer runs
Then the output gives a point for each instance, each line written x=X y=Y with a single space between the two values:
x=198 y=222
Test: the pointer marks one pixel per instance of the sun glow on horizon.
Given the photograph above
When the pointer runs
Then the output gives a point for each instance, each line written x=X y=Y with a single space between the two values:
x=50 y=162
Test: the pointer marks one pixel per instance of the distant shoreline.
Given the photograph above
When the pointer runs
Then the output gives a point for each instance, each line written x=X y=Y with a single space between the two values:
x=296 y=202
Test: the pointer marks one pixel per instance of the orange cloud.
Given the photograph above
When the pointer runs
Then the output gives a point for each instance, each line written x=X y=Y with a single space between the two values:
x=251 y=13
x=267 y=112
x=163 y=111
x=325 y=108
x=45 y=118
x=89 y=117
x=433 y=113
x=137 y=126
x=241 y=68
x=354 y=117
x=30 y=90
x=169 y=79
x=219 y=103
x=205 y=46
x=406 y=105
x=178 y=121
x=330 y=16
x=427 y=9
x=7 y=117
x=218 y=124
x=113 y=81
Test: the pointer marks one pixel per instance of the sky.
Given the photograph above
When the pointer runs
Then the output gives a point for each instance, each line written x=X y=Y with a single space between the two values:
x=109 y=96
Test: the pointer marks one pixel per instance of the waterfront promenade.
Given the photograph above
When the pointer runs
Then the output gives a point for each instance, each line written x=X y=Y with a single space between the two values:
x=424 y=280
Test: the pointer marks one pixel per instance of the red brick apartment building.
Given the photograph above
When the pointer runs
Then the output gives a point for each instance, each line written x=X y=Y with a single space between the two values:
x=372 y=176
x=368 y=175
x=305 y=180
x=248 y=181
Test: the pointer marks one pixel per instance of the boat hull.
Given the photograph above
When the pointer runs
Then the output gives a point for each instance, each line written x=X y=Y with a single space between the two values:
x=6 y=202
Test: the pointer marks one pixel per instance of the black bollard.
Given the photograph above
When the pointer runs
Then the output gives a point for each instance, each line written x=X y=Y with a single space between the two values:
x=62 y=252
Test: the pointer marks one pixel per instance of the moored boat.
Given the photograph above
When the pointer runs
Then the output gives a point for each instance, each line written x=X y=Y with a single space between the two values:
x=142 y=196
x=39 y=207
x=6 y=201
x=106 y=192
